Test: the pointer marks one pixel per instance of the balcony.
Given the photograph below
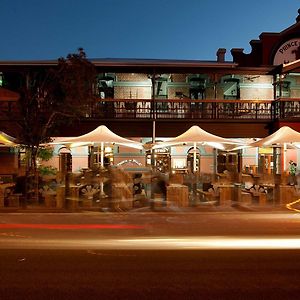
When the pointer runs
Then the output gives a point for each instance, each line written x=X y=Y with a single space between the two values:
x=188 y=109
x=287 y=109
x=184 y=109
x=228 y=118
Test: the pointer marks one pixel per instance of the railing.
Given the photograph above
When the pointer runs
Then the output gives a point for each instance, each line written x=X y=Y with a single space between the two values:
x=286 y=108
x=283 y=108
x=182 y=109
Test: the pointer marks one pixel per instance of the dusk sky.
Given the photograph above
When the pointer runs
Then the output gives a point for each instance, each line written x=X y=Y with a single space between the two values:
x=166 y=29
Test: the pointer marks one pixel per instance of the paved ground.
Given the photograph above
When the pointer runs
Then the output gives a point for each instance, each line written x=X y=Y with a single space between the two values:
x=90 y=274
x=146 y=255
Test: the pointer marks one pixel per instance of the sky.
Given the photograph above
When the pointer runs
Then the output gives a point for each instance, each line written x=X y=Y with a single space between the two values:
x=156 y=29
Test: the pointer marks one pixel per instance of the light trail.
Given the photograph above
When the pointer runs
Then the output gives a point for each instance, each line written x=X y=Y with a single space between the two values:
x=70 y=226
x=215 y=243
x=175 y=243
x=289 y=205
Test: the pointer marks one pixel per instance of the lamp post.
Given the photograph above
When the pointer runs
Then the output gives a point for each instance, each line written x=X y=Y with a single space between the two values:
x=153 y=119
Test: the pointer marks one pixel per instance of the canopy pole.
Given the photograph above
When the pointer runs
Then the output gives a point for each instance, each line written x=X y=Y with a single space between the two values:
x=153 y=142
x=102 y=194
x=195 y=156
x=153 y=131
x=98 y=155
x=102 y=154
x=153 y=80
x=284 y=156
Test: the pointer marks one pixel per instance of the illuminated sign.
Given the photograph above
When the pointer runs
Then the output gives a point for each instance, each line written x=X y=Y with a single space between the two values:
x=126 y=161
x=287 y=52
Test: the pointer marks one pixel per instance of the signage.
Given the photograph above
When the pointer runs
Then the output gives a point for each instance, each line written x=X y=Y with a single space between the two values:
x=288 y=52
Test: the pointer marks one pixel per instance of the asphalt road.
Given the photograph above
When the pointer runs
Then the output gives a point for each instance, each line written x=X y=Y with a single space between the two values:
x=107 y=274
x=150 y=256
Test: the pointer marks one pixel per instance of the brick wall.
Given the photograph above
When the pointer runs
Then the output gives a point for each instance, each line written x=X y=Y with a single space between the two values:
x=179 y=77
x=256 y=93
x=131 y=77
x=263 y=79
x=124 y=92
x=295 y=93
x=133 y=91
x=210 y=93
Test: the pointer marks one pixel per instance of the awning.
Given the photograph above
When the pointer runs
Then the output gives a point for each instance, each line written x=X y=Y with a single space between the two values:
x=8 y=95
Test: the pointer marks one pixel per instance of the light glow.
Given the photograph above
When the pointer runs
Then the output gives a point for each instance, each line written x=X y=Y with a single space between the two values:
x=175 y=243
x=291 y=204
x=213 y=243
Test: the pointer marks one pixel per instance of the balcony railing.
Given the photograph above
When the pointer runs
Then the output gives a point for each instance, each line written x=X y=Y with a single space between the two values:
x=286 y=108
x=182 y=109
x=283 y=108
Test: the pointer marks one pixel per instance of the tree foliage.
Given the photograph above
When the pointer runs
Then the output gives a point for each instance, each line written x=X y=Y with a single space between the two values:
x=51 y=97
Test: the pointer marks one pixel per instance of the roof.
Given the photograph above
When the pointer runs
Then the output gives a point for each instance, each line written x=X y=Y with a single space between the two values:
x=7 y=95
x=293 y=66
x=129 y=62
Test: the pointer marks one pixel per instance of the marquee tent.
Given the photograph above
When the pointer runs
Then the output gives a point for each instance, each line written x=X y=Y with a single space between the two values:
x=197 y=136
x=99 y=136
x=7 y=140
x=284 y=137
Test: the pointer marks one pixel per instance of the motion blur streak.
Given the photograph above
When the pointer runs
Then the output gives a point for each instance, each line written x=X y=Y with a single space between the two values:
x=179 y=243
x=289 y=205
x=215 y=243
x=70 y=226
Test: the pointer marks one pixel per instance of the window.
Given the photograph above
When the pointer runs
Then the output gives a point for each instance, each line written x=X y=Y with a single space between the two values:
x=283 y=89
x=197 y=88
x=231 y=88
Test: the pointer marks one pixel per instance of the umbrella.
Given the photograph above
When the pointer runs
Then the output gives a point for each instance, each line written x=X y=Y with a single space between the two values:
x=99 y=136
x=7 y=140
x=196 y=135
x=283 y=137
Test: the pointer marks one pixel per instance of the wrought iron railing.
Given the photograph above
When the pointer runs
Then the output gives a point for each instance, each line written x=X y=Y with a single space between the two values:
x=286 y=108
x=182 y=109
x=283 y=108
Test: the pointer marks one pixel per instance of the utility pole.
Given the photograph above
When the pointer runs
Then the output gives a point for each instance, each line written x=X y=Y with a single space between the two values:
x=153 y=80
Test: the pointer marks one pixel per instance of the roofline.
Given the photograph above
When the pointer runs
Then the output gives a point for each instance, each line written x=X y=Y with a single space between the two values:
x=29 y=63
x=291 y=66
x=115 y=62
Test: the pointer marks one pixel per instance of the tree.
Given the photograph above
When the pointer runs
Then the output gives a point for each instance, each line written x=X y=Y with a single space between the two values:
x=50 y=98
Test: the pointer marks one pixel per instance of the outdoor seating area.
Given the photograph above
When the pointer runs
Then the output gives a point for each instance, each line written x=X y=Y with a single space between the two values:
x=105 y=186
x=115 y=190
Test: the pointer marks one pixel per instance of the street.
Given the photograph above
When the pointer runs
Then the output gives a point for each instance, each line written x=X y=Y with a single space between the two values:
x=221 y=255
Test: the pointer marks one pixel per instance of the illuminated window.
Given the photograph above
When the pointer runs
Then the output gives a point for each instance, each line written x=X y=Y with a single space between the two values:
x=283 y=89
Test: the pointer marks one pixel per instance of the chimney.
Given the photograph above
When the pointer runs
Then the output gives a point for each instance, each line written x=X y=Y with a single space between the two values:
x=221 y=55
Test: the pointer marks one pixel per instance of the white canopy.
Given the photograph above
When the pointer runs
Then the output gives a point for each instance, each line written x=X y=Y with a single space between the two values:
x=193 y=136
x=196 y=135
x=100 y=135
x=284 y=135
x=6 y=140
